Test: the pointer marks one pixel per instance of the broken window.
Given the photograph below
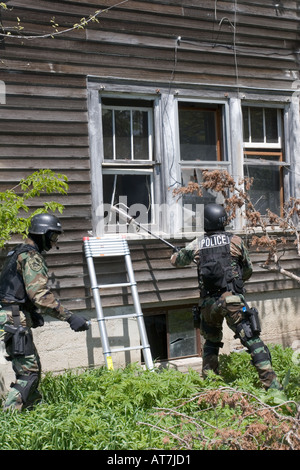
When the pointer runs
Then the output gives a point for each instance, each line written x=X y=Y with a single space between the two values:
x=201 y=147
x=171 y=333
x=132 y=189
x=127 y=167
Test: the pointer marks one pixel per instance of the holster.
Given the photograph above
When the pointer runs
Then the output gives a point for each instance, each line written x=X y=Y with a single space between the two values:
x=196 y=311
x=252 y=314
x=18 y=340
x=250 y=324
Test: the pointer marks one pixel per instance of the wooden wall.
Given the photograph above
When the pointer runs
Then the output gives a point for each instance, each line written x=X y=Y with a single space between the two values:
x=44 y=123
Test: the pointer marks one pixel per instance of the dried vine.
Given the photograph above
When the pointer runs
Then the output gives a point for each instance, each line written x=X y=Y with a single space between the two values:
x=270 y=430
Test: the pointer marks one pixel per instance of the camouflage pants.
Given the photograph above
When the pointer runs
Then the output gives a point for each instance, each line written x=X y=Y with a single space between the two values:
x=229 y=306
x=27 y=369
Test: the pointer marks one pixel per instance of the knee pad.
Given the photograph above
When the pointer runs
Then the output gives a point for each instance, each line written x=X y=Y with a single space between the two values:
x=259 y=353
x=211 y=348
x=31 y=380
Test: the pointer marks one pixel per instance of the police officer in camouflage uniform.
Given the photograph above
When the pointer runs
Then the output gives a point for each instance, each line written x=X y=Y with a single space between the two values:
x=223 y=267
x=24 y=299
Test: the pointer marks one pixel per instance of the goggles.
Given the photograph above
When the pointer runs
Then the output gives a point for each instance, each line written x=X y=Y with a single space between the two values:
x=53 y=237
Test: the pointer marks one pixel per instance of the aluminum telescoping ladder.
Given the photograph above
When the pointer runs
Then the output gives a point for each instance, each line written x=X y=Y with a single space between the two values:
x=96 y=247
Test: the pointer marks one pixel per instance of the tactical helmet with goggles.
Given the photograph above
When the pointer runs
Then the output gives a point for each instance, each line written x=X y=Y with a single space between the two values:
x=44 y=230
x=215 y=217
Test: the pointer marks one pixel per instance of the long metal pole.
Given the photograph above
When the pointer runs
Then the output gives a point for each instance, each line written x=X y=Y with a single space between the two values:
x=131 y=219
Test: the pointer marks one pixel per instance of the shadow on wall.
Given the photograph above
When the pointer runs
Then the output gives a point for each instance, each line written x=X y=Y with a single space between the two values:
x=279 y=315
x=2 y=385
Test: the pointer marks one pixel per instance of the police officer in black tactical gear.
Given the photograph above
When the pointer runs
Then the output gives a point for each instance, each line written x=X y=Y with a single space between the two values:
x=223 y=266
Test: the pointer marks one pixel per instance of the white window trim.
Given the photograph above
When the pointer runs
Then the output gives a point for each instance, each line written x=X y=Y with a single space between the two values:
x=100 y=166
x=225 y=132
x=264 y=144
x=225 y=164
x=281 y=147
x=166 y=157
x=133 y=166
x=132 y=160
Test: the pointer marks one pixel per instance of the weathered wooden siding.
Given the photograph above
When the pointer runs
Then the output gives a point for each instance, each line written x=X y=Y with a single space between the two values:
x=159 y=281
x=44 y=123
x=254 y=42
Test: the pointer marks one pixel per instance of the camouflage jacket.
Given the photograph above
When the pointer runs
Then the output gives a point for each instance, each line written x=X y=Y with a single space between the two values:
x=238 y=250
x=32 y=267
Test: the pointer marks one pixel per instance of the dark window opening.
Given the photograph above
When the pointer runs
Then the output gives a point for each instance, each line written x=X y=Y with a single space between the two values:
x=171 y=333
x=199 y=132
x=134 y=191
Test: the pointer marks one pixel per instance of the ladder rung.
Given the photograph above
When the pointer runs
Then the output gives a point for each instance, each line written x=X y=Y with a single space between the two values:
x=129 y=348
x=126 y=315
x=105 y=247
x=121 y=284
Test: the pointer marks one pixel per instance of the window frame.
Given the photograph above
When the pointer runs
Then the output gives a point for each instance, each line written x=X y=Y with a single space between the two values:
x=167 y=312
x=267 y=149
x=264 y=144
x=123 y=166
x=223 y=161
x=222 y=128
x=132 y=160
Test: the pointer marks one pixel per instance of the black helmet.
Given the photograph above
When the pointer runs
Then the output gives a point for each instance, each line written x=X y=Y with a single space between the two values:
x=43 y=223
x=215 y=217
x=44 y=229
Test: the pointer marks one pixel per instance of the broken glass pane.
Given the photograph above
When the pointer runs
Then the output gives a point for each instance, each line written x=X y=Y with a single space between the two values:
x=265 y=190
x=131 y=190
x=182 y=337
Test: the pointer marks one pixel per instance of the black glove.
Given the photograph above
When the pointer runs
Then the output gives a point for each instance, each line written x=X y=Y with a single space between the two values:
x=78 y=323
x=176 y=249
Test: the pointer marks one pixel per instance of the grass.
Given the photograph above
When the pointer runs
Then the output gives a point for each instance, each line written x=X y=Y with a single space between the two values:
x=133 y=409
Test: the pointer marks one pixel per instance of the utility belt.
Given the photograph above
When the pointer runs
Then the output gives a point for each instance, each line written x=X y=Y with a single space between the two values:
x=36 y=319
x=236 y=286
x=216 y=293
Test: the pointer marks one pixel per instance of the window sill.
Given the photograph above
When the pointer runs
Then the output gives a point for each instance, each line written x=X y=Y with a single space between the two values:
x=133 y=163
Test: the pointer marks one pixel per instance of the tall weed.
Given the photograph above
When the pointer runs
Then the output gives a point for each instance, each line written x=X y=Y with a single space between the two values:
x=135 y=409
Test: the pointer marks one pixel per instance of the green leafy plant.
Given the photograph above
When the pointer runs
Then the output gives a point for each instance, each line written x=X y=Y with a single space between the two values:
x=14 y=203
x=135 y=409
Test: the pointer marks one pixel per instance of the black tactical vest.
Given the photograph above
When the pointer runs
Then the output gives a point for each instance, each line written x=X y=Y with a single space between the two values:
x=12 y=287
x=215 y=263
